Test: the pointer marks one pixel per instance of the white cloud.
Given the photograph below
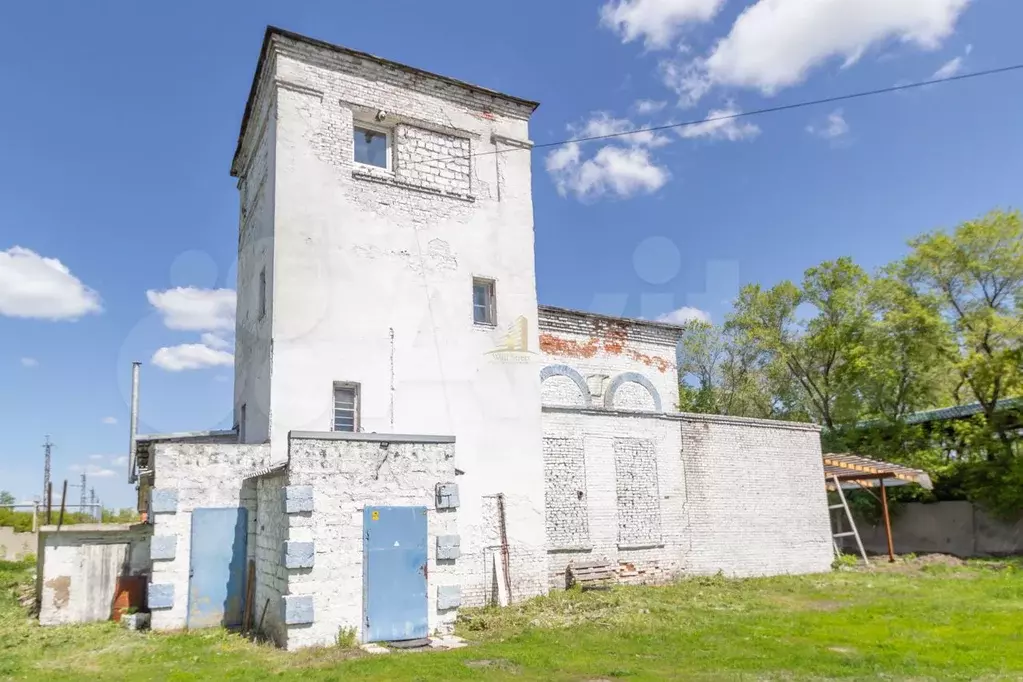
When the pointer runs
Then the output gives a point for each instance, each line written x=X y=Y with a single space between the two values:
x=685 y=314
x=622 y=167
x=29 y=362
x=721 y=124
x=835 y=126
x=648 y=106
x=109 y=420
x=603 y=124
x=774 y=44
x=949 y=68
x=43 y=288
x=656 y=22
x=92 y=471
x=195 y=309
x=188 y=356
x=620 y=171
x=95 y=458
x=215 y=341
x=119 y=461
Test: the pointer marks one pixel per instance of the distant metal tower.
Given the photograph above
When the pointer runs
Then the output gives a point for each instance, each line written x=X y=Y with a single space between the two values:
x=47 y=447
x=83 y=497
x=92 y=501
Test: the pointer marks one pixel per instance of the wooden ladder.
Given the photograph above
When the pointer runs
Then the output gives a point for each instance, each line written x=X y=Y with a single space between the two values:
x=852 y=524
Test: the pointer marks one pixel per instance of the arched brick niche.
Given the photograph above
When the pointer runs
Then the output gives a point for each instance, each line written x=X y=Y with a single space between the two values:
x=632 y=385
x=562 y=385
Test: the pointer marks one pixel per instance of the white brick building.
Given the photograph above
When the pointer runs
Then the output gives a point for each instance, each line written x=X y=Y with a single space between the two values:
x=391 y=355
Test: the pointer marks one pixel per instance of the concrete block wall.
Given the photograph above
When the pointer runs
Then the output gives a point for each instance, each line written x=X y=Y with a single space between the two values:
x=271 y=575
x=189 y=476
x=757 y=503
x=347 y=473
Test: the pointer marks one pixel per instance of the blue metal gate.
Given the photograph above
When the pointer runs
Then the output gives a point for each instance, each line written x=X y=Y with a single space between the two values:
x=216 y=576
x=394 y=573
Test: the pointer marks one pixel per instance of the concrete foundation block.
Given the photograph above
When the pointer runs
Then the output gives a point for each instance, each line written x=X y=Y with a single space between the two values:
x=448 y=546
x=299 y=554
x=163 y=500
x=447 y=496
x=449 y=597
x=160 y=596
x=298 y=498
x=163 y=547
x=297 y=609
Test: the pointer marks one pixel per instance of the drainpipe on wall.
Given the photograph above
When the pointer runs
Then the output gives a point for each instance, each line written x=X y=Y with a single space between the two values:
x=133 y=420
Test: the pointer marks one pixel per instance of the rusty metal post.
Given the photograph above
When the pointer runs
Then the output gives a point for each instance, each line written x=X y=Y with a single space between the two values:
x=49 y=503
x=63 y=500
x=505 y=559
x=887 y=520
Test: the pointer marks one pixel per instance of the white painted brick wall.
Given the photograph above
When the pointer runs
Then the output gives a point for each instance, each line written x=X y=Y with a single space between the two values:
x=745 y=497
x=271 y=575
x=598 y=432
x=560 y=390
x=565 y=485
x=205 y=475
x=415 y=239
x=346 y=477
x=431 y=159
x=593 y=345
x=757 y=499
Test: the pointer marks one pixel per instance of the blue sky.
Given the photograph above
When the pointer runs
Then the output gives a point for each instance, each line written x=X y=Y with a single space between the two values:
x=119 y=121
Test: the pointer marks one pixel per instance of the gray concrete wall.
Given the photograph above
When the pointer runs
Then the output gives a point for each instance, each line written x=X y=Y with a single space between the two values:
x=79 y=567
x=14 y=545
x=958 y=528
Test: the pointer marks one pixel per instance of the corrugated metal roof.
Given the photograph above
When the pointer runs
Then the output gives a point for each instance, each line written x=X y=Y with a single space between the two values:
x=961 y=411
x=870 y=472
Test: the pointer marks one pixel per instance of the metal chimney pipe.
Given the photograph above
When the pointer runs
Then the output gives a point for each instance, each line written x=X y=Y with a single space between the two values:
x=133 y=420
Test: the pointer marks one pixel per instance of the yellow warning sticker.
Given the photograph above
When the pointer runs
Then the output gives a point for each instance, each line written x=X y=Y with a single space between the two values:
x=375 y=516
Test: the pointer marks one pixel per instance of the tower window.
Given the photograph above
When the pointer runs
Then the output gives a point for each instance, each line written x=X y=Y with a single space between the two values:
x=346 y=407
x=372 y=147
x=484 y=308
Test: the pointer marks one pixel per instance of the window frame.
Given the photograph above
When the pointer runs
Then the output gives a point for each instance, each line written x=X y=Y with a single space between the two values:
x=388 y=141
x=492 y=303
x=356 y=389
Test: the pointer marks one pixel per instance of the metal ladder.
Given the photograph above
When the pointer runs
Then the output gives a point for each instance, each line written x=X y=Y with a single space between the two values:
x=852 y=524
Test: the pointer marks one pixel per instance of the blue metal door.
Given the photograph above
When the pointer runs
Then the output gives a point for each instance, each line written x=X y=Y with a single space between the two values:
x=216 y=576
x=394 y=573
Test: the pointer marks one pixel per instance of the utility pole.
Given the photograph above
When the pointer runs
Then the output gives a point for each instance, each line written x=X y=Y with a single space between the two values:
x=83 y=496
x=92 y=501
x=47 y=447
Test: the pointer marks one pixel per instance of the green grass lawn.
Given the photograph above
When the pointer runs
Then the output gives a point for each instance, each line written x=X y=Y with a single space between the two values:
x=914 y=620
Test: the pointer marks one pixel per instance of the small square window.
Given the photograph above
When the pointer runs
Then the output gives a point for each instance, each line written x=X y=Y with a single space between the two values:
x=484 y=309
x=372 y=147
x=346 y=407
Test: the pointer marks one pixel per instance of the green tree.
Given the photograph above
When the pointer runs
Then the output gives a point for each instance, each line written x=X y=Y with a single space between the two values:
x=906 y=366
x=975 y=273
x=6 y=498
x=817 y=332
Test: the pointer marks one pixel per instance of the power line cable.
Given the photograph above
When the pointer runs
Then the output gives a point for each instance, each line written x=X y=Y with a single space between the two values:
x=746 y=114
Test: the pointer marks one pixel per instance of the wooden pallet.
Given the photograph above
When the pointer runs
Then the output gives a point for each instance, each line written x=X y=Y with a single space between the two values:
x=590 y=575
